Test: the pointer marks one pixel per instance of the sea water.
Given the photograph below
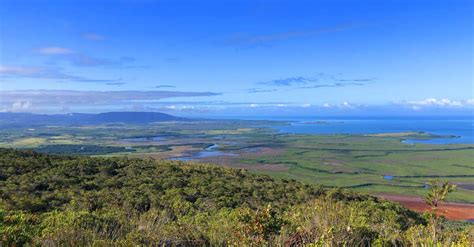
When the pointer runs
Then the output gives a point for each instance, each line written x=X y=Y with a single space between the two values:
x=461 y=127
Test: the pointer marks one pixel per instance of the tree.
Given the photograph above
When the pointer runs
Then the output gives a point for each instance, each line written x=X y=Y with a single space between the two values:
x=437 y=194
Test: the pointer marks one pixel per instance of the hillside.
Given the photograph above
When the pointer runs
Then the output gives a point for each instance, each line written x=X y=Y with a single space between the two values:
x=66 y=200
x=29 y=119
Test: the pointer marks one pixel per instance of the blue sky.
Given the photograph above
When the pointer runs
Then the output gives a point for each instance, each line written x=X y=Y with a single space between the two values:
x=237 y=57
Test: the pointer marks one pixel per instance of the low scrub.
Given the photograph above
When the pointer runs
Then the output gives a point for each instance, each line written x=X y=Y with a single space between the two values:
x=50 y=200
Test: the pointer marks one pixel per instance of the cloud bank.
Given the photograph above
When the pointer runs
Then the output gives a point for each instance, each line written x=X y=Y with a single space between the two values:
x=321 y=80
x=53 y=50
x=247 y=40
x=290 y=81
x=38 y=99
x=438 y=103
x=79 y=59
x=165 y=86
x=36 y=72
x=41 y=101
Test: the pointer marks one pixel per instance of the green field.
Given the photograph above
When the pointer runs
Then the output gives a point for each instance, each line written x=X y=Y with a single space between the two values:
x=59 y=200
x=361 y=162
x=357 y=162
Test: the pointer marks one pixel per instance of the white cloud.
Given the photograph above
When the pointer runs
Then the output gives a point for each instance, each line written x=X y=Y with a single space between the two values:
x=54 y=50
x=346 y=104
x=18 y=106
x=183 y=107
x=71 y=97
x=45 y=73
x=306 y=105
x=81 y=59
x=433 y=102
x=18 y=70
x=254 y=105
x=176 y=108
x=416 y=108
x=343 y=105
x=21 y=105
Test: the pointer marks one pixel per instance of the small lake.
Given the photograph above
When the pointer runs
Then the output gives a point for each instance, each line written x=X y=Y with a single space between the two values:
x=138 y=140
x=206 y=153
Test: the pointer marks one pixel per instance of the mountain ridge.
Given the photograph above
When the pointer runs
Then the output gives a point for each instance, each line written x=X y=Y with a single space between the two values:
x=31 y=119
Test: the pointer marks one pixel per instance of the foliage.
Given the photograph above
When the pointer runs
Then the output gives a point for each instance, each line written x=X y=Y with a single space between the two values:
x=16 y=227
x=436 y=194
x=80 y=149
x=376 y=163
x=64 y=200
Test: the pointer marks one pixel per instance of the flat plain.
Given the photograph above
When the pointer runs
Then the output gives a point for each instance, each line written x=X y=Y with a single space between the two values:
x=374 y=164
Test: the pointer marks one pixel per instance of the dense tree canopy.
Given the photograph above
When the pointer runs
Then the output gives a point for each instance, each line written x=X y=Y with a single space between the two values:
x=67 y=200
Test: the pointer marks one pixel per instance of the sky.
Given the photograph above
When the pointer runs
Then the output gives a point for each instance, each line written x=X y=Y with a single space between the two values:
x=238 y=58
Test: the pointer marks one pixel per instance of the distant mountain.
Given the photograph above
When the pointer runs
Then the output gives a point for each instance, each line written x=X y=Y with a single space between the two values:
x=133 y=117
x=29 y=119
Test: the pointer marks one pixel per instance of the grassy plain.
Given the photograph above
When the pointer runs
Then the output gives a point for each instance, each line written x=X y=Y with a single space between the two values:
x=374 y=164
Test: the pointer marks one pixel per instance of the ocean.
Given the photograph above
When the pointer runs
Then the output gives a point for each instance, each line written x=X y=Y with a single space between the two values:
x=462 y=127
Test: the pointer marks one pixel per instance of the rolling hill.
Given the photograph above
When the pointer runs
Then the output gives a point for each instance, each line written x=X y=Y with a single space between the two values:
x=82 y=201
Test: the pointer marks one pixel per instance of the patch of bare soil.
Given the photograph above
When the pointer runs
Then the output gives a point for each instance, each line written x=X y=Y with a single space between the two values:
x=451 y=210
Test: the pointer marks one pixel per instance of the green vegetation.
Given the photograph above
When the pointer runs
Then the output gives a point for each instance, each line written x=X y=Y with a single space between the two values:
x=411 y=135
x=362 y=163
x=80 y=149
x=357 y=162
x=66 y=200
x=437 y=194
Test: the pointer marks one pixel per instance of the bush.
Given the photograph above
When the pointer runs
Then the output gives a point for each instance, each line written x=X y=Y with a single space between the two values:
x=50 y=200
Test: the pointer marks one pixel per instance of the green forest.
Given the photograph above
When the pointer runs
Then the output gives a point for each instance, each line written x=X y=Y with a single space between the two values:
x=59 y=200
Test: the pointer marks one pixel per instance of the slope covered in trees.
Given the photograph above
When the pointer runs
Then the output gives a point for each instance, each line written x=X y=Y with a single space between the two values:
x=66 y=200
